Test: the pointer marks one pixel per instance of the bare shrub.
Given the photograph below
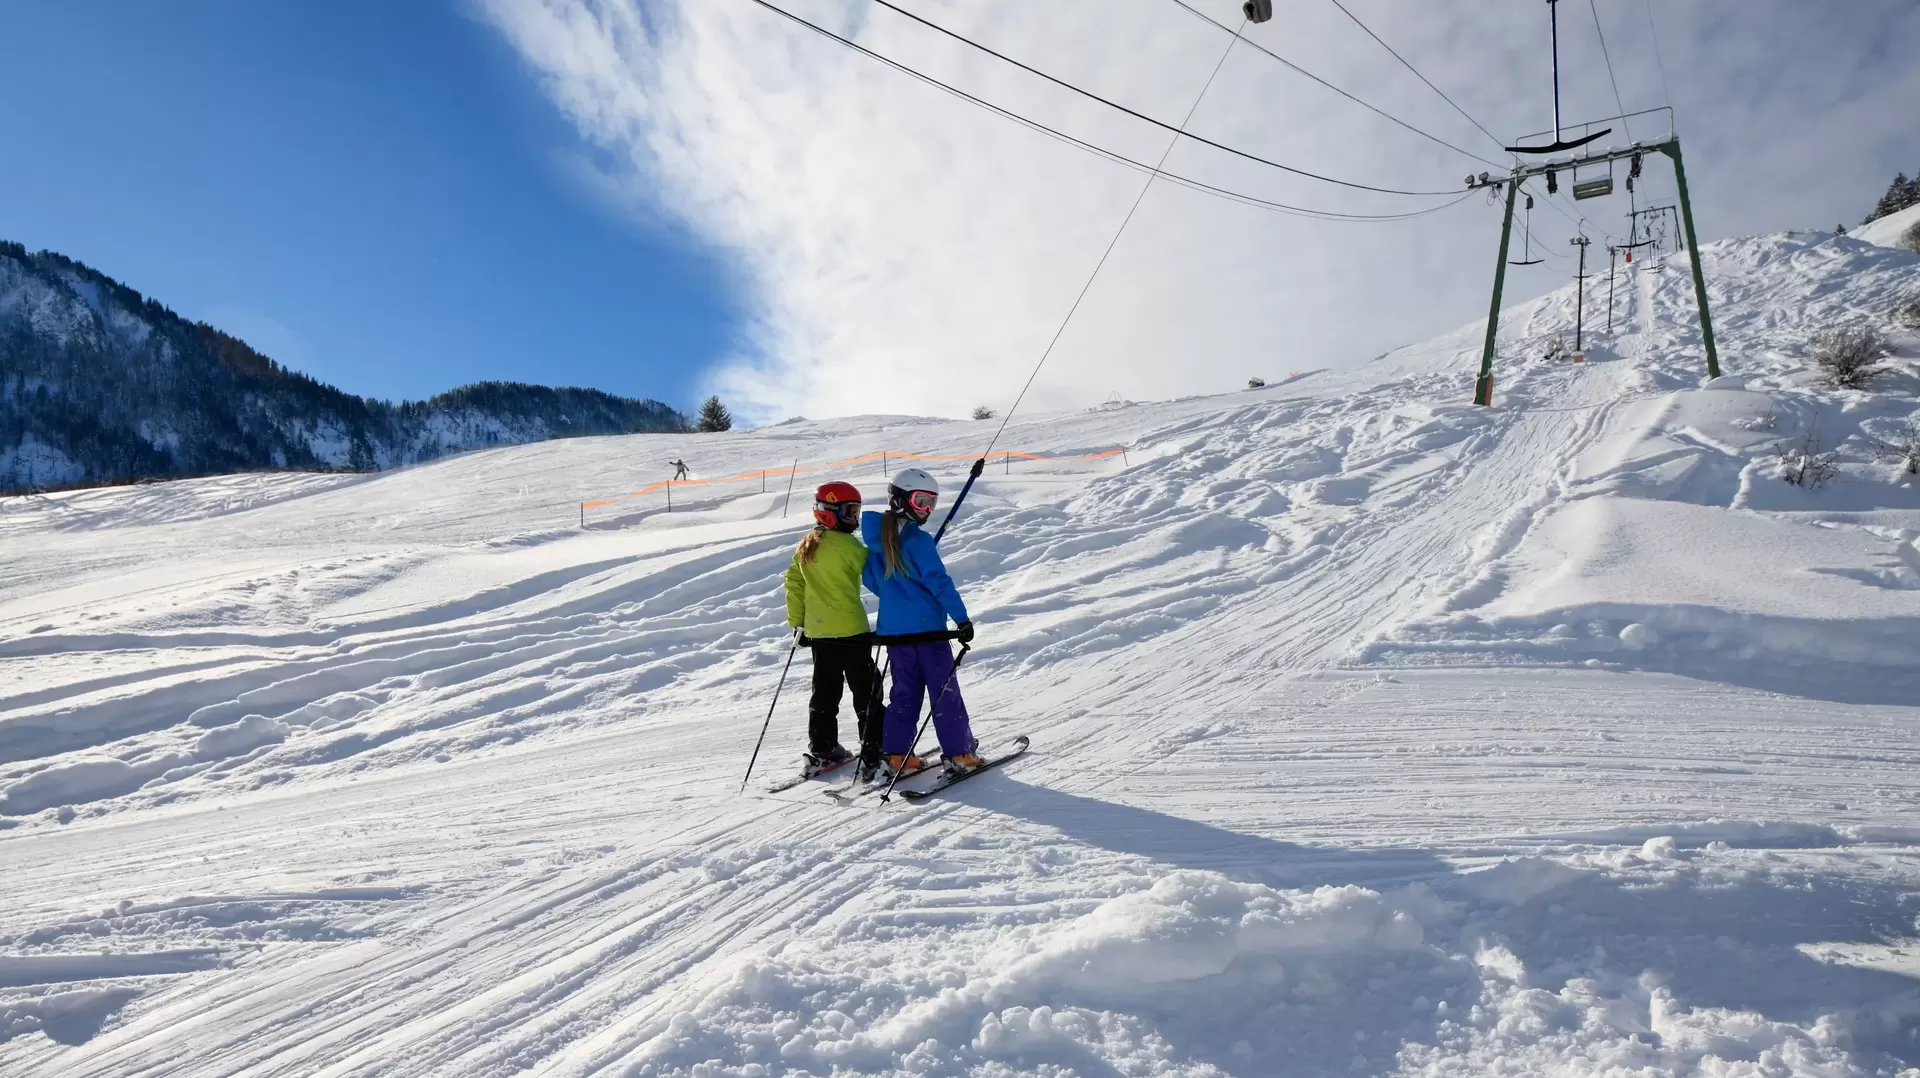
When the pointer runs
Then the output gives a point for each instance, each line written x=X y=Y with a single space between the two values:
x=1907 y=313
x=981 y=411
x=1850 y=355
x=1804 y=464
x=1910 y=239
x=1904 y=449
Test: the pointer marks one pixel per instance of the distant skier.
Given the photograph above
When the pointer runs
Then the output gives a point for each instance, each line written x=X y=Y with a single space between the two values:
x=823 y=600
x=679 y=469
x=916 y=598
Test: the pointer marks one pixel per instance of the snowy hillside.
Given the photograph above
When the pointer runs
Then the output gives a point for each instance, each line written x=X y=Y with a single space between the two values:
x=1374 y=733
x=1891 y=230
x=99 y=383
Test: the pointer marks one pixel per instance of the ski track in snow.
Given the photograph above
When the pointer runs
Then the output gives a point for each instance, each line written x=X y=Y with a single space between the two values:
x=1374 y=733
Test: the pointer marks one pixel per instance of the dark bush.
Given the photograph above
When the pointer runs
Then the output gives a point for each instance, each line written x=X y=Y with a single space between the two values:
x=1850 y=355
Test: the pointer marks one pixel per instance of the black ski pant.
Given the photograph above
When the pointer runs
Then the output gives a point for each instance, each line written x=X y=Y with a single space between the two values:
x=844 y=662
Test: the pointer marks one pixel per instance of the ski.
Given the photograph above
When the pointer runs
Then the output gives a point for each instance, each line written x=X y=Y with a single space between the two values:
x=848 y=793
x=806 y=775
x=1019 y=747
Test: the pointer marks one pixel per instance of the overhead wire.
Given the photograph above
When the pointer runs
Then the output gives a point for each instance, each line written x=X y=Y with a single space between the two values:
x=1099 y=151
x=1111 y=244
x=1297 y=69
x=1416 y=71
x=1136 y=114
x=1604 y=55
x=1154 y=172
x=1666 y=93
x=1577 y=222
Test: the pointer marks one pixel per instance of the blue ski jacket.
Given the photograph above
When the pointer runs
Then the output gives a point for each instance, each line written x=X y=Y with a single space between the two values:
x=920 y=597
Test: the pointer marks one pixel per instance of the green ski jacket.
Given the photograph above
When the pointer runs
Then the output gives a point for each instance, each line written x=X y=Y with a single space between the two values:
x=823 y=596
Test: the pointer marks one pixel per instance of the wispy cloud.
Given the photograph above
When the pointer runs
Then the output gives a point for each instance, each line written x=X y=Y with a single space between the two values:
x=907 y=251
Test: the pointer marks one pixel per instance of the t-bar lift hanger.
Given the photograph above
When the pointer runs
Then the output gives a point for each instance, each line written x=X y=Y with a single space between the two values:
x=1559 y=142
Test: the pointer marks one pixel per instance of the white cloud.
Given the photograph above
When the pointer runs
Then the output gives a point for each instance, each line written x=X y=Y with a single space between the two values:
x=905 y=251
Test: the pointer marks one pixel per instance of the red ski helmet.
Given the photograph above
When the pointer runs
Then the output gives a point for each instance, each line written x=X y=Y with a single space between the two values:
x=837 y=506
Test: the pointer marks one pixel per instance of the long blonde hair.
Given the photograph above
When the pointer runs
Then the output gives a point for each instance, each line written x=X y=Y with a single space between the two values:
x=890 y=541
x=809 y=545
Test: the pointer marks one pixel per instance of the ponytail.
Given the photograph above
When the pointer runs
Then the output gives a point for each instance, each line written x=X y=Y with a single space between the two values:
x=809 y=546
x=890 y=541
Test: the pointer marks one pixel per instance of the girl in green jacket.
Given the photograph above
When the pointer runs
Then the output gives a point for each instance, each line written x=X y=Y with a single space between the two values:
x=823 y=601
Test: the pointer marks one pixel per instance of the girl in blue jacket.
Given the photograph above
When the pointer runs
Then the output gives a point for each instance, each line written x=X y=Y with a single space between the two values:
x=917 y=597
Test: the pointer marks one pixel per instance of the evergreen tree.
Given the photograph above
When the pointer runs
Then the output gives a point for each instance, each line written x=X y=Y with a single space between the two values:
x=714 y=417
x=1901 y=194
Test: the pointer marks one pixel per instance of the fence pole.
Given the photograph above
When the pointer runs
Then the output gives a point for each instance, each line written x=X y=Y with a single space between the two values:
x=883 y=465
x=583 y=514
x=790 y=478
x=669 y=495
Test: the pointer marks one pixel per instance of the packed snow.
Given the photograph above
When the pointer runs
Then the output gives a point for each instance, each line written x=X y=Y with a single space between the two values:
x=1373 y=733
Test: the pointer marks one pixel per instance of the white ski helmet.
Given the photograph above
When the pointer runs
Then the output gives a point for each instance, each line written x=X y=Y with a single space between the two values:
x=913 y=492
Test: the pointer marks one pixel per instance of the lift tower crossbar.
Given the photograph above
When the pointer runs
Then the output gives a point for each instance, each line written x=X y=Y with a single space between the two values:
x=1483 y=386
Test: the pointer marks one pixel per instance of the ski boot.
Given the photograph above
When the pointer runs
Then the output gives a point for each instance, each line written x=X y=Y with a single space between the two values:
x=963 y=763
x=899 y=764
x=823 y=760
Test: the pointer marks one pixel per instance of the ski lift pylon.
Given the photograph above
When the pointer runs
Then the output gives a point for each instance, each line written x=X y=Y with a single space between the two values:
x=1560 y=142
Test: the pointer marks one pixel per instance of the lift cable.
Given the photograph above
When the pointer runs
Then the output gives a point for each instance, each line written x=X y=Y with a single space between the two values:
x=1090 y=95
x=1624 y=126
x=1098 y=151
x=1666 y=92
x=1578 y=222
x=1296 y=68
x=1111 y=244
x=1416 y=71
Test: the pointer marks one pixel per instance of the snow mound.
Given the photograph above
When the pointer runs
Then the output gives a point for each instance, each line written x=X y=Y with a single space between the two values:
x=250 y=733
x=1197 y=974
x=78 y=779
x=1191 y=926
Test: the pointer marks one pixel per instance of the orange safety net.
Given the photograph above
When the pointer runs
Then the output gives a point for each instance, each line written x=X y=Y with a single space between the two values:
x=769 y=473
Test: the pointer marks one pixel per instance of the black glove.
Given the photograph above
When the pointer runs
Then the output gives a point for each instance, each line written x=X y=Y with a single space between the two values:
x=964 y=633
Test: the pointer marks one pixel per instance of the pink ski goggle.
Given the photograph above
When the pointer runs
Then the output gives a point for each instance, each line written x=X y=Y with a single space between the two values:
x=921 y=501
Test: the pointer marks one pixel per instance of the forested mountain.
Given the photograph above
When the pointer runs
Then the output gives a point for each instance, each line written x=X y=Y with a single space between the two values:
x=99 y=383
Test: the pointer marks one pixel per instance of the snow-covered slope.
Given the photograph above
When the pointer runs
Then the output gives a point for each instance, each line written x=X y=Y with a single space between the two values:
x=1891 y=230
x=1374 y=733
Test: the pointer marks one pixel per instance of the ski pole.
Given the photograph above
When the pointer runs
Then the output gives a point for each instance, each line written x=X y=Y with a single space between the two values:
x=922 y=731
x=978 y=466
x=776 y=703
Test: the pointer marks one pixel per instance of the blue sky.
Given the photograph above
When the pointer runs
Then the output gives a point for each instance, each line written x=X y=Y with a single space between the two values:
x=658 y=197
x=373 y=191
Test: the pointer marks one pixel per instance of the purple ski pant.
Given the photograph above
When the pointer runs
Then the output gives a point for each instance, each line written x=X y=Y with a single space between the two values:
x=919 y=671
